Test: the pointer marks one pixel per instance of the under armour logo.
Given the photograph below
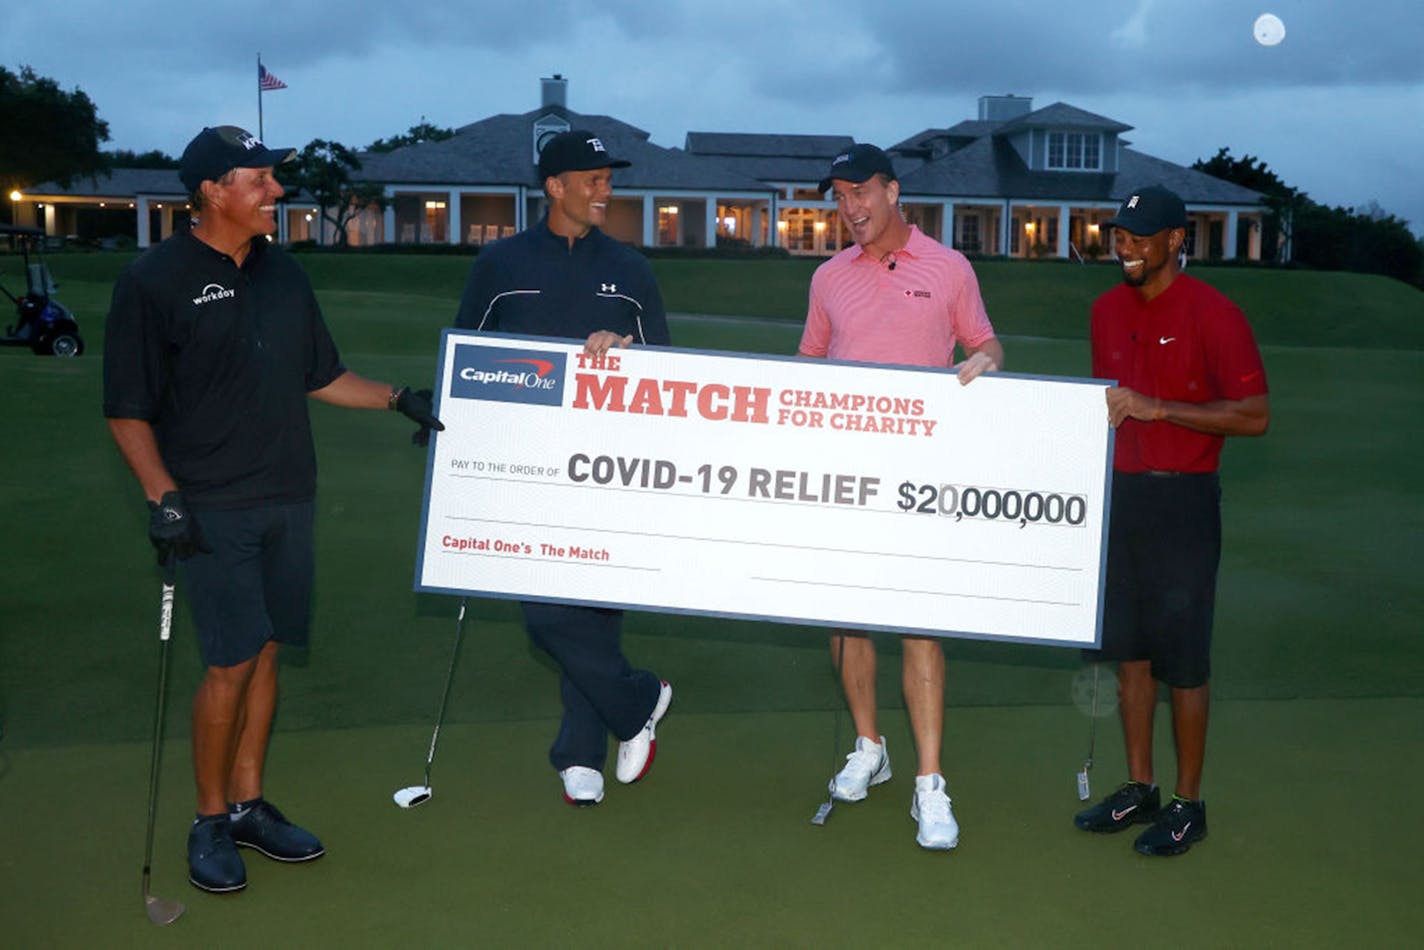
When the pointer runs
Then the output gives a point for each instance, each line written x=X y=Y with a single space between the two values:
x=609 y=288
x=596 y=145
x=1132 y=202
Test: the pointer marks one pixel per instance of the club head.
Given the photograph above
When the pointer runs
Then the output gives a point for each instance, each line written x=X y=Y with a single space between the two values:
x=822 y=813
x=162 y=912
x=412 y=795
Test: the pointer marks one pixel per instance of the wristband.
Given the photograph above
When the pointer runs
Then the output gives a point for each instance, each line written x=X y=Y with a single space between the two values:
x=395 y=397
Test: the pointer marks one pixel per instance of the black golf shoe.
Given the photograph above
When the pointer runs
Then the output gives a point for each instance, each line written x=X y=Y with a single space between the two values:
x=1131 y=803
x=213 y=862
x=263 y=827
x=1177 y=827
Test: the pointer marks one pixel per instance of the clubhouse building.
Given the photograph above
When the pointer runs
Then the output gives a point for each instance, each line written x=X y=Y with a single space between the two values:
x=1014 y=181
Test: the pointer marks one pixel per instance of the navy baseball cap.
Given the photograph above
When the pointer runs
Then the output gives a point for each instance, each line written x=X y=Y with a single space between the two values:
x=578 y=150
x=217 y=150
x=1149 y=210
x=857 y=164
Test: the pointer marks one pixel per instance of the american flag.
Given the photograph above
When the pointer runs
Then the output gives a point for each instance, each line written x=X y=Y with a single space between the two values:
x=266 y=81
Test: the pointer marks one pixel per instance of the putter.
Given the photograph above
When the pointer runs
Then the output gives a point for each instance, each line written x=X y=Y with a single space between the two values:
x=824 y=811
x=160 y=910
x=1083 y=791
x=413 y=795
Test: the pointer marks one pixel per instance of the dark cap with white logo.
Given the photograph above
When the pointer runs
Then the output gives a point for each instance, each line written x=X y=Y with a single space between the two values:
x=578 y=150
x=1149 y=210
x=858 y=163
x=217 y=150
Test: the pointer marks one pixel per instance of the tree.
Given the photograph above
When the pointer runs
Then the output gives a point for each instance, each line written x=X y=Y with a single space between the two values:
x=47 y=134
x=1282 y=201
x=153 y=158
x=323 y=170
x=424 y=132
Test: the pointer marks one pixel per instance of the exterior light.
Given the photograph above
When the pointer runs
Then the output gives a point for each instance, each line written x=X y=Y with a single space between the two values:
x=781 y=225
x=1028 y=226
x=15 y=195
x=433 y=205
x=820 y=225
x=1093 y=228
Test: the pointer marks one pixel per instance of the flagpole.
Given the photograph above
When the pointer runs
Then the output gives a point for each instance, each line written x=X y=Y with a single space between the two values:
x=260 y=136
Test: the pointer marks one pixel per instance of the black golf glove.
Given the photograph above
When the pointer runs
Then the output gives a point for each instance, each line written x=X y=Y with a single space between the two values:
x=172 y=529
x=415 y=405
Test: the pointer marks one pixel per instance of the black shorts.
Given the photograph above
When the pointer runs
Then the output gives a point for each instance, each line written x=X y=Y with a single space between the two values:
x=1164 y=545
x=256 y=585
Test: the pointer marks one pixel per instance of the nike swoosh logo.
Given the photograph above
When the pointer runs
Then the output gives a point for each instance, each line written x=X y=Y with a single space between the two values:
x=1179 y=835
x=1166 y=339
x=1120 y=815
x=1250 y=376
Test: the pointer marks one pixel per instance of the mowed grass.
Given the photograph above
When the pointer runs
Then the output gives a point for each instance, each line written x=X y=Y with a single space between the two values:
x=1319 y=593
x=1318 y=663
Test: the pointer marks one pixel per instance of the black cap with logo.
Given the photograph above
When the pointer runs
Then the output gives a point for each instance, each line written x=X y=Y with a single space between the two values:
x=215 y=151
x=1149 y=210
x=858 y=163
x=578 y=150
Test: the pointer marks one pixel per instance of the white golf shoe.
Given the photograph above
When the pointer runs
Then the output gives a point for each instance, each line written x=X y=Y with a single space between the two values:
x=931 y=808
x=635 y=756
x=582 y=785
x=868 y=765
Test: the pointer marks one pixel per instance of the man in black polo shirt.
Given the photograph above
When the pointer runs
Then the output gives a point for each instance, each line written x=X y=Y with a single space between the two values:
x=565 y=278
x=213 y=343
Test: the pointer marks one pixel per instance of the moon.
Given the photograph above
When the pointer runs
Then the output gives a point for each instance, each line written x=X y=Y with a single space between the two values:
x=1268 y=30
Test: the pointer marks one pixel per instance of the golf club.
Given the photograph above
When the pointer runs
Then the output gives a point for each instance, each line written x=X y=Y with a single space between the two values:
x=413 y=795
x=160 y=910
x=1083 y=791
x=824 y=812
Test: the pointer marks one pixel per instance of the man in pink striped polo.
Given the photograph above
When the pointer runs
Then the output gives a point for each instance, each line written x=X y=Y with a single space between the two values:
x=898 y=297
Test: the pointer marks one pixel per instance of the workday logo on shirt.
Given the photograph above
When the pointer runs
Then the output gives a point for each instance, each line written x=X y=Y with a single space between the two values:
x=501 y=374
x=213 y=292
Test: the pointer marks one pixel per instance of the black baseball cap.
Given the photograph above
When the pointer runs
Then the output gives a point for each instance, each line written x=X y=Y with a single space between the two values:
x=577 y=150
x=857 y=164
x=1149 y=210
x=217 y=150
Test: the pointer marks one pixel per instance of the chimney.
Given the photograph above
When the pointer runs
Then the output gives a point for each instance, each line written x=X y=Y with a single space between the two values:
x=1004 y=108
x=554 y=91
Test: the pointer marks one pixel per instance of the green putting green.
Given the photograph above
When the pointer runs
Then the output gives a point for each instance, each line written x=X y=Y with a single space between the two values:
x=1320 y=710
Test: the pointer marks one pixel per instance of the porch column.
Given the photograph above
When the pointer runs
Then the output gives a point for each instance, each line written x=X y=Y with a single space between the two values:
x=649 y=232
x=1063 y=211
x=388 y=217
x=710 y=228
x=1254 y=241
x=1229 y=251
x=947 y=224
x=141 y=213
x=452 y=204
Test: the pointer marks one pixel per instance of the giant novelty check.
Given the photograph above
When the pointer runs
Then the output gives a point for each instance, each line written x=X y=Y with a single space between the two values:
x=798 y=490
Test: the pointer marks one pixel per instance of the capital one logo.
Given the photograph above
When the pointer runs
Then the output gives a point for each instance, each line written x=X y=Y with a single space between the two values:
x=503 y=374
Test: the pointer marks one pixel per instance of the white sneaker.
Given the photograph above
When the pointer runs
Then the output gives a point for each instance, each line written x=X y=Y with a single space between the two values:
x=868 y=765
x=582 y=785
x=931 y=808
x=635 y=756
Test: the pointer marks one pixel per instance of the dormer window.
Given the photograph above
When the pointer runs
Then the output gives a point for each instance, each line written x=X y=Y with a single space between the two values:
x=1075 y=151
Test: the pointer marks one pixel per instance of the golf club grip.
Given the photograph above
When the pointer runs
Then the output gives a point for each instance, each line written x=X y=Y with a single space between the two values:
x=165 y=616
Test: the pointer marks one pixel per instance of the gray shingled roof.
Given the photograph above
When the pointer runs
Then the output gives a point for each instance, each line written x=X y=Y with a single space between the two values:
x=497 y=151
x=754 y=144
x=1060 y=115
x=121 y=183
x=992 y=170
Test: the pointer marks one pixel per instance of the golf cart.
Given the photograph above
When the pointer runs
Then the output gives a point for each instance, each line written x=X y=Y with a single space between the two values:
x=44 y=325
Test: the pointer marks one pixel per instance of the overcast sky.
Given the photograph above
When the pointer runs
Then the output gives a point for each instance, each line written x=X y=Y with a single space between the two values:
x=1336 y=109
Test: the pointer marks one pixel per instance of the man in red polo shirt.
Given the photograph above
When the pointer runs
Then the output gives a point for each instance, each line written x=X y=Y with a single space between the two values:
x=898 y=297
x=1189 y=374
